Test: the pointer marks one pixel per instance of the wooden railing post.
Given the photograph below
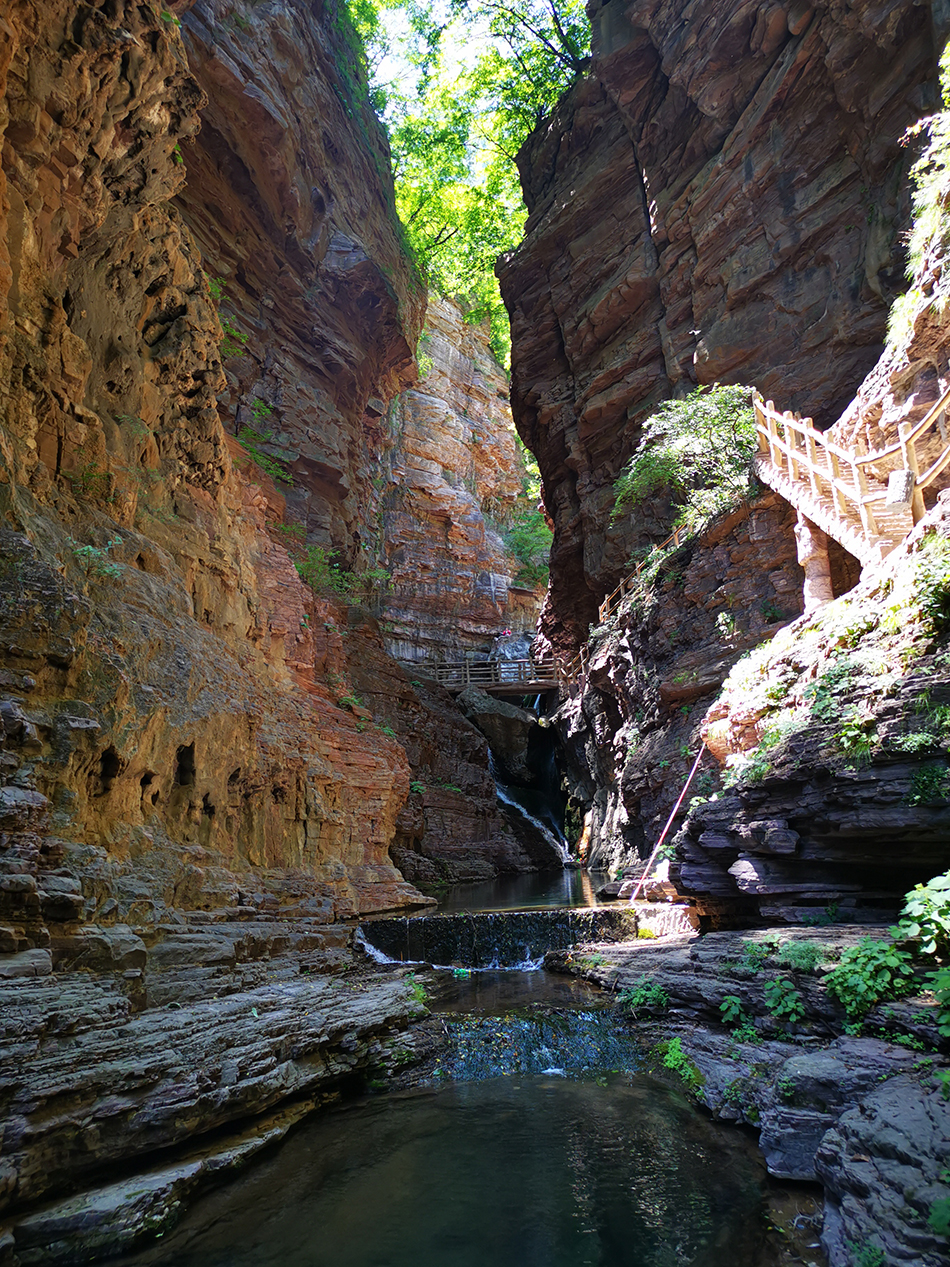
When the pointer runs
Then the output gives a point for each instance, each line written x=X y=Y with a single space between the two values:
x=774 y=450
x=909 y=455
x=791 y=439
x=834 y=473
x=761 y=426
x=868 y=522
x=811 y=453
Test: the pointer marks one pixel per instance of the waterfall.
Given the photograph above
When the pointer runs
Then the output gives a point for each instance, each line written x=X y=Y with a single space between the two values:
x=508 y=794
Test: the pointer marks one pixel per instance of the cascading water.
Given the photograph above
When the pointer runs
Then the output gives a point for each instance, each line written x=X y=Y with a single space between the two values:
x=529 y=804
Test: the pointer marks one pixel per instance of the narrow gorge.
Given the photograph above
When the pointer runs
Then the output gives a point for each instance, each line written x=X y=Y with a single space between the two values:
x=354 y=857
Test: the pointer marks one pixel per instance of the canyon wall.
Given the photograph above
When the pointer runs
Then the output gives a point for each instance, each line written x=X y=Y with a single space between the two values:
x=720 y=200
x=451 y=474
x=205 y=313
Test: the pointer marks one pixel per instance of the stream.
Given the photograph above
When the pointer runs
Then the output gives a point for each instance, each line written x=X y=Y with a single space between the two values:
x=535 y=1139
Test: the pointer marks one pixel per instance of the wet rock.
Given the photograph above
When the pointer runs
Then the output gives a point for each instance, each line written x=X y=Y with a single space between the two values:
x=506 y=727
x=883 y=1167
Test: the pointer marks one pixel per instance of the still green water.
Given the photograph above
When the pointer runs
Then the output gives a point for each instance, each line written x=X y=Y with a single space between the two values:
x=523 y=1171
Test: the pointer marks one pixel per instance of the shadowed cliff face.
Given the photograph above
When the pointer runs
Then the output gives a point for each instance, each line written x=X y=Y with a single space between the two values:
x=720 y=201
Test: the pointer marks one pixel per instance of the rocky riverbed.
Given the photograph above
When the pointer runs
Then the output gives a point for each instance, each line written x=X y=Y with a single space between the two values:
x=866 y=1114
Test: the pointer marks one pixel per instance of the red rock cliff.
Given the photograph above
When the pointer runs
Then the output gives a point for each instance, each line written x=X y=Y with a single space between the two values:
x=720 y=200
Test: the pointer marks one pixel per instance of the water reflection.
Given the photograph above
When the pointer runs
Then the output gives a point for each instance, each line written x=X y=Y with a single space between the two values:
x=524 y=1172
x=522 y=892
x=496 y=993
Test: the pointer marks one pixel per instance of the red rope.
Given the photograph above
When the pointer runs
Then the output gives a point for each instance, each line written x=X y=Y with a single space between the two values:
x=669 y=823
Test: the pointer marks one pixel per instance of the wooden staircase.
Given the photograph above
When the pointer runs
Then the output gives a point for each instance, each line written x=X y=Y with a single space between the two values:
x=868 y=502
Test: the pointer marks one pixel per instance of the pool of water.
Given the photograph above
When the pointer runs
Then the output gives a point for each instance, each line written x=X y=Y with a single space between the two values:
x=532 y=1171
x=522 y=892
x=496 y=993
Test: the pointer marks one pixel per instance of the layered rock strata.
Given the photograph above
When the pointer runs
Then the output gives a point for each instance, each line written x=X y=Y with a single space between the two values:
x=835 y=735
x=290 y=200
x=451 y=476
x=719 y=201
x=192 y=797
x=631 y=725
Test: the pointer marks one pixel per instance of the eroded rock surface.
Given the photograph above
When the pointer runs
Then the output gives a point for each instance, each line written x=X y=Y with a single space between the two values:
x=451 y=474
x=719 y=201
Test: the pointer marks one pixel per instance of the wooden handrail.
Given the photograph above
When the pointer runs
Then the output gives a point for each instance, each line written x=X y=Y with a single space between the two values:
x=775 y=446
x=867 y=459
x=495 y=672
x=608 y=605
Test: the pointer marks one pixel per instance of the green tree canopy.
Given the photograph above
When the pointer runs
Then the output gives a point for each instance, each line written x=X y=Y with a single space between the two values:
x=470 y=80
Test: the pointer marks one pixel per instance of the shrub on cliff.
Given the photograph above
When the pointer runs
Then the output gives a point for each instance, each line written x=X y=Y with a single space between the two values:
x=699 y=449
x=326 y=577
x=528 y=538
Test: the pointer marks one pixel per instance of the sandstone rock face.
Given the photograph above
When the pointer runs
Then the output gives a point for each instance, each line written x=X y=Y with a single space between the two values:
x=719 y=201
x=630 y=726
x=451 y=474
x=191 y=796
x=834 y=736
x=289 y=197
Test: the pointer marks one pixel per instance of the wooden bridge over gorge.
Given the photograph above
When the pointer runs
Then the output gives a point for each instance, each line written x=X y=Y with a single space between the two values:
x=498 y=677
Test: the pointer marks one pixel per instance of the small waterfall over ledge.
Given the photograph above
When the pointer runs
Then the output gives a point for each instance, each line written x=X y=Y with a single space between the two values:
x=528 y=804
x=502 y=939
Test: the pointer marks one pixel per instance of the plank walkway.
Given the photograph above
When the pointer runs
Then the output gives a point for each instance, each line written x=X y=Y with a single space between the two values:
x=496 y=677
x=868 y=502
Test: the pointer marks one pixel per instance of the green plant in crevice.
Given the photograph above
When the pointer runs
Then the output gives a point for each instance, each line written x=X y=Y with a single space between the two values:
x=801 y=956
x=925 y=917
x=91 y=482
x=95 y=559
x=931 y=583
x=869 y=973
x=823 y=694
x=929 y=785
x=234 y=341
x=752 y=767
x=252 y=441
x=733 y=1016
x=930 y=235
x=856 y=738
x=295 y=533
x=320 y=570
x=676 y=1059
x=864 y=1254
x=645 y=996
x=700 y=449
x=418 y=991
x=783 y=1000
x=939 y=1216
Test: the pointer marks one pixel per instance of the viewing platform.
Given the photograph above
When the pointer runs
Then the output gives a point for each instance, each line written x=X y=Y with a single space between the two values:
x=496 y=677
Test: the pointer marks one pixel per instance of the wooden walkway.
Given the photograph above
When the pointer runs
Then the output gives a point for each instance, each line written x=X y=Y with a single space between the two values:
x=497 y=677
x=868 y=502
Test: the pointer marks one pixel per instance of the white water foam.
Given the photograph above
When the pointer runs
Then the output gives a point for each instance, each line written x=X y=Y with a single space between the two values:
x=379 y=956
